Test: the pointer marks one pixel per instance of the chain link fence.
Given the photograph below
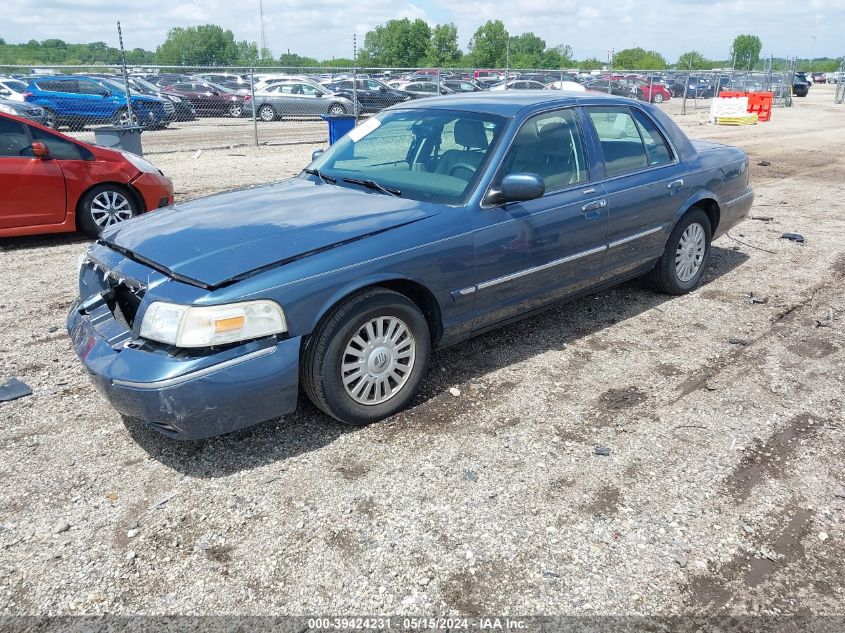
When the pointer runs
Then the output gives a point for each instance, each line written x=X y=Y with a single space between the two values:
x=198 y=108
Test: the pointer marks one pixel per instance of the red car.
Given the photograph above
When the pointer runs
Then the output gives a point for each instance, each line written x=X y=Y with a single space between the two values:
x=51 y=183
x=652 y=92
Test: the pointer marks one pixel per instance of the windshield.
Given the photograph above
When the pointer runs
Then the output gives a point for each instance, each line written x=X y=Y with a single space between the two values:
x=432 y=155
x=144 y=85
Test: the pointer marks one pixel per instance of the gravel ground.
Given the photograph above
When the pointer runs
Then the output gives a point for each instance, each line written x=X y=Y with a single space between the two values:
x=722 y=412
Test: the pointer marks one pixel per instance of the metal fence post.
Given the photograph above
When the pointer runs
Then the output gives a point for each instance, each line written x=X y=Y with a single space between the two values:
x=684 y=102
x=650 y=86
x=254 y=113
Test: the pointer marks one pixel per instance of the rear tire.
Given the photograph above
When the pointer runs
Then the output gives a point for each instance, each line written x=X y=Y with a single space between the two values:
x=104 y=206
x=336 y=109
x=657 y=98
x=235 y=110
x=352 y=368
x=682 y=264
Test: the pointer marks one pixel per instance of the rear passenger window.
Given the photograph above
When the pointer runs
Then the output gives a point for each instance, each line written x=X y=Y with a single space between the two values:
x=620 y=140
x=655 y=145
x=551 y=146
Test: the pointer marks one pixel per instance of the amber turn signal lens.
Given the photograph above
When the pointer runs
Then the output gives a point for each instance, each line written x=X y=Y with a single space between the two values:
x=228 y=325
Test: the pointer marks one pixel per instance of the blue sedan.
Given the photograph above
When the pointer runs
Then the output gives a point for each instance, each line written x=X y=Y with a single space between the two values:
x=426 y=224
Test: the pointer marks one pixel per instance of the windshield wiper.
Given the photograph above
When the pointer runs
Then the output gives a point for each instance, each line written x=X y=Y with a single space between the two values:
x=323 y=177
x=372 y=184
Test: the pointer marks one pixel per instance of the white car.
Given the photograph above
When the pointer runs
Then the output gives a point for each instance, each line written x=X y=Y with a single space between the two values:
x=12 y=89
x=569 y=86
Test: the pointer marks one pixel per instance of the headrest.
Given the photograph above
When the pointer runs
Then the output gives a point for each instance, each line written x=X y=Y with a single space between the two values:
x=470 y=133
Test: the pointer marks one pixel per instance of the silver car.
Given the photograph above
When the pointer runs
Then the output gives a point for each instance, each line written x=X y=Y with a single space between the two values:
x=298 y=98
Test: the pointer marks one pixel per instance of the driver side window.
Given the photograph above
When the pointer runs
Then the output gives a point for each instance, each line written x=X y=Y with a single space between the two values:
x=550 y=145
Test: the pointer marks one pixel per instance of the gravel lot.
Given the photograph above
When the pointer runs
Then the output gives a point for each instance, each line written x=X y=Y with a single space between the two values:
x=723 y=490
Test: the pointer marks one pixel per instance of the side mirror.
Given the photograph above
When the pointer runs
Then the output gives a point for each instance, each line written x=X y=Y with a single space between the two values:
x=521 y=187
x=382 y=89
x=104 y=93
x=318 y=95
x=5 y=93
x=39 y=150
x=316 y=154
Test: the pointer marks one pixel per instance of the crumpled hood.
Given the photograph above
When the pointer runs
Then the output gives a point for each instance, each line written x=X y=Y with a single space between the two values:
x=213 y=240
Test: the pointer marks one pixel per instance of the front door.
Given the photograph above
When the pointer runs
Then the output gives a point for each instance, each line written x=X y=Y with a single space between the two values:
x=33 y=190
x=531 y=253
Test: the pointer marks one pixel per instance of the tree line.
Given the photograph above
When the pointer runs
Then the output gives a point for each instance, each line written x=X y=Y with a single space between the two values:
x=401 y=43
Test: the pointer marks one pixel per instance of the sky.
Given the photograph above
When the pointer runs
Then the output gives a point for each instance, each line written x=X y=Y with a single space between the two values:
x=325 y=28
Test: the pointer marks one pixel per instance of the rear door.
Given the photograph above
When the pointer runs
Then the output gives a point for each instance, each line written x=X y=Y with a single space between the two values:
x=33 y=190
x=531 y=253
x=645 y=185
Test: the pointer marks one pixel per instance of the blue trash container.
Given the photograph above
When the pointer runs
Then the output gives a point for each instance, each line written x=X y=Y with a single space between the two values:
x=339 y=124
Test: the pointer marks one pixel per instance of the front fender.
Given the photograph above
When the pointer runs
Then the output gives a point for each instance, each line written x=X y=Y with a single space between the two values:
x=373 y=279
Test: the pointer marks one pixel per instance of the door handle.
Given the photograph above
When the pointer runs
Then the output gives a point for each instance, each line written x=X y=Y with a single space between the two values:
x=595 y=204
x=676 y=183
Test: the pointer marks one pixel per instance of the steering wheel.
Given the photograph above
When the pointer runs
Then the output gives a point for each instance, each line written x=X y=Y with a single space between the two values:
x=459 y=166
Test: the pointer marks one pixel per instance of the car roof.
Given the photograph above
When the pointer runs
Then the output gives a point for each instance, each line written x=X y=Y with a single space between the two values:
x=509 y=102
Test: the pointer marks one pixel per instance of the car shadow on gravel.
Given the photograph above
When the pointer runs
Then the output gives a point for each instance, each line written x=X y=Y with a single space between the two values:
x=46 y=240
x=308 y=429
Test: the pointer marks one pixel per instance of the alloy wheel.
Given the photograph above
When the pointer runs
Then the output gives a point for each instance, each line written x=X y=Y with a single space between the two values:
x=110 y=207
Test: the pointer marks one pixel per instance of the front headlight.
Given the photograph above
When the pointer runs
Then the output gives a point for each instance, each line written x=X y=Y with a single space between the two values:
x=204 y=326
x=140 y=163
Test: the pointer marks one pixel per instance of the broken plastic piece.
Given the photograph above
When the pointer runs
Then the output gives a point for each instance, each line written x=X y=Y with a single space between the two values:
x=795 y=237
x=13 y=389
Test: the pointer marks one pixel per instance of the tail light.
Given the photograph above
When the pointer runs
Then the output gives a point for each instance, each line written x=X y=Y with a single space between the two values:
x=247 y=98
x=27 y=95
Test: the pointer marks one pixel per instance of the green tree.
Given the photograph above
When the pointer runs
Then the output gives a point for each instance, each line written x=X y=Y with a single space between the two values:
x=443 y=48
x=639 y=59
x=400 y=43
x=526 y=51
x=693 y=60
x=746 y=50
x=205 y=45
x=488 y=46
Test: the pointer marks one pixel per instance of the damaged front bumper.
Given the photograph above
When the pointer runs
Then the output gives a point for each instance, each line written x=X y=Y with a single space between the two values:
x=184 y=394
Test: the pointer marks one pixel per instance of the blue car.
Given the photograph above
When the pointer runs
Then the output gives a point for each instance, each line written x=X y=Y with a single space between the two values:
x=77 y=101
x=424 y=225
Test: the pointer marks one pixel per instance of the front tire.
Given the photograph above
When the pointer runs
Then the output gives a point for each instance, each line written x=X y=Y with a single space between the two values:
x=682 y=264
x=366 y=359
x=336 y=109
x=103 y=206
x=266 y=113
x=235 y=110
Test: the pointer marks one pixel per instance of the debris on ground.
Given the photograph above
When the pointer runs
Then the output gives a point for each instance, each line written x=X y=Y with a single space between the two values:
x=762 y=218
x=827 y=321
x=793 y=237
x=455 y=391
x=738 y=341
x=755 y=299
x=13 y=389
x=603 y=451
x=162 y=500
x=61 y=526
x=681 y=560
x=764 y=163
